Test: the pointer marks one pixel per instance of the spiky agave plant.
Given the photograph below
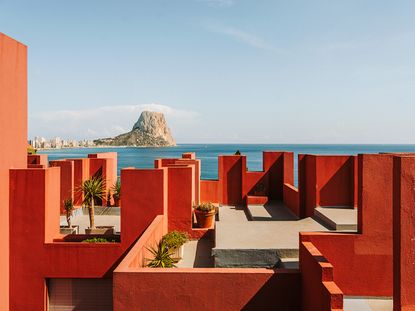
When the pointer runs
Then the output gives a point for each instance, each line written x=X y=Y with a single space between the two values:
x=93 y=189
x=162 y=257
x=68 y=206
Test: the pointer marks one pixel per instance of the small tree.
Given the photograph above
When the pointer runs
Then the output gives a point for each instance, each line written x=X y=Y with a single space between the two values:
x=68 y=206
x=93 y=189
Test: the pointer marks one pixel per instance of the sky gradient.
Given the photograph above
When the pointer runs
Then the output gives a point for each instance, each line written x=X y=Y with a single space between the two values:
x=222 y=71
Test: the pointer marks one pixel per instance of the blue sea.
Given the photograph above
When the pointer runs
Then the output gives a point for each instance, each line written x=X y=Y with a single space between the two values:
x=208 y=153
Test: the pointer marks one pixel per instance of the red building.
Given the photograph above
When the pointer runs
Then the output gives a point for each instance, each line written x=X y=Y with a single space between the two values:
x=41 y=268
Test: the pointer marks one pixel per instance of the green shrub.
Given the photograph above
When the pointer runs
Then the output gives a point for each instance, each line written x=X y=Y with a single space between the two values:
x=116 y=189
x=162 y=257
x=205 y=207
x=175 y=239
x=237 y=152
x=97 y=240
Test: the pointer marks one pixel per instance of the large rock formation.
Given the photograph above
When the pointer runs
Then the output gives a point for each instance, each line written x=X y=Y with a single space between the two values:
x=149 y=131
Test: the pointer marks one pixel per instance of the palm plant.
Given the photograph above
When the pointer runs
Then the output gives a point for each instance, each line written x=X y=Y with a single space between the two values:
x=116 y=191
x=68 y=206
x=93 y=189
x=162 y=257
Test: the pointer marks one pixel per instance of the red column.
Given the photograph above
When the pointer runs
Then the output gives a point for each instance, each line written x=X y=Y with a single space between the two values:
x=404 y=233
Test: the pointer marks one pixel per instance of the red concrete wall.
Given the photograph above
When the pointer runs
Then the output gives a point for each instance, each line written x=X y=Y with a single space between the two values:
x=66 y=180
x=38 y=233
x=231 y=179
x=37 y=159
x=326 y=181
x=13 y=143
x=307 y=184
x=367 y=256
x=209 y=191
x=196 y=172
x=144 y=197
x=140 y=254
x=279 y=168
x=252 y=179
x=404 y=233
x=180 y=198
x=292 y=198
x=81 y=173
x=319 y=292
x=206 y=289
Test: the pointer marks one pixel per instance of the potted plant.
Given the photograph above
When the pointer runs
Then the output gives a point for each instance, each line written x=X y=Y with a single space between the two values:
x=93 y=189
x=162 y=257
x=174 y=241
x=116 y=192
x=205 y=213
x=68 y=206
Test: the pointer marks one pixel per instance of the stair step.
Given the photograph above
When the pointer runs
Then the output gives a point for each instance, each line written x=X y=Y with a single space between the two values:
x=337 y=218
x=289 y=263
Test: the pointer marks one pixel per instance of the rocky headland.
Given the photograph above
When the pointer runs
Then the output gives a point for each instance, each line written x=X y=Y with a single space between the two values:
x=150 y=130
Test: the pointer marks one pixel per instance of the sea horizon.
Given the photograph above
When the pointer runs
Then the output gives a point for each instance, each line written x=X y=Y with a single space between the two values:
x=143 y=157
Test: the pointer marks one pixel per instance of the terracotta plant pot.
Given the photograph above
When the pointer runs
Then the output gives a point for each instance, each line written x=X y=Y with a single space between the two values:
x=205 y=219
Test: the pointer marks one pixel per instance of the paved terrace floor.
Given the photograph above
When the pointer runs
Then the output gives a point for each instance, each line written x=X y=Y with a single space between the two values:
x=261 y=242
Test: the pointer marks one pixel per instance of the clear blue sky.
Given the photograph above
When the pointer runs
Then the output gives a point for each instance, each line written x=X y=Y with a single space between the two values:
x=239 y=71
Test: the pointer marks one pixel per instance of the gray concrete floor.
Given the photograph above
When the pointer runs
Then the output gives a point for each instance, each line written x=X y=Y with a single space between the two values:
x=235 y=231
x=338 y=218
x=367 y=304
x=197 y=254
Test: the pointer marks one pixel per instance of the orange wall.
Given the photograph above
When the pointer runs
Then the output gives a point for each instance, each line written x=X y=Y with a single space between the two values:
x=404 y=234
x=180 y=201
x=81 y=173
x=37 y=234
x=231 y=174
x=367 y=256
x=319 y=292
x=292 y=198
x=13 y=143
x=326 y=181
x=206 y=289
x=66 y=180
x=37 y=159
x=209 y=191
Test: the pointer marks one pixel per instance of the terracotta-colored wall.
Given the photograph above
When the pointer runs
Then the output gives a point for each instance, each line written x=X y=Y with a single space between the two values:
x=206 y=289
x=13 y=143
x=66 y=180
x=196 y=173
x=292 y=198
x=209 y=191
x=140 y=254
x=307 y=184
x=144 y=197
x=404 y=233
x=367 y=256
x=34 y=233
x=335 y=180
x=279 y=167
x=37 y=159
x=319 y=292
x=180 y=189
x=252 y=179
x=326 y=181
x=231 y=179
x=81 y=173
